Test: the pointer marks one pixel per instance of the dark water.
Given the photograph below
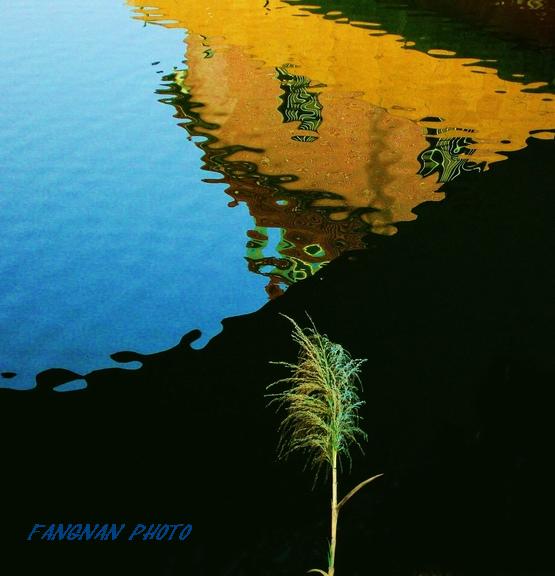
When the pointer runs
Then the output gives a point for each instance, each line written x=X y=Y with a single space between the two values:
x=383 y=166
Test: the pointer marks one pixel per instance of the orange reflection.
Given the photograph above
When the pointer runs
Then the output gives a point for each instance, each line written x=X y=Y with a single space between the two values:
x=364 y=155
x=329 y=130
x=358 y=59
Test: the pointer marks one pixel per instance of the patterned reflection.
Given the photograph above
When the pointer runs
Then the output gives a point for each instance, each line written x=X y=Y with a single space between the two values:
x=298 y=104
x=329 y=127
x=308 y=236
x=448 y=157
x=314 y=220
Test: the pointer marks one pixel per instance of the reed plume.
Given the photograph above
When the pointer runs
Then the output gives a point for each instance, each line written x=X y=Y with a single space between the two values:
x=321 y=405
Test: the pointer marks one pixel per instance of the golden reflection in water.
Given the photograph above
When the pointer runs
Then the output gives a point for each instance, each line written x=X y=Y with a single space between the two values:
x=359 y=140
x=356 y=59
x=362 y=154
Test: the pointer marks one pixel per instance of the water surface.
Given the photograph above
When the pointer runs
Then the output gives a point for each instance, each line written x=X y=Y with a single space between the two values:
x=335 y=121
x=307 y=129
x=109 y=238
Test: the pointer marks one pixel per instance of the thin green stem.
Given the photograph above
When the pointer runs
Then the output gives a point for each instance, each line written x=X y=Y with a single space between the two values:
x=334 y=514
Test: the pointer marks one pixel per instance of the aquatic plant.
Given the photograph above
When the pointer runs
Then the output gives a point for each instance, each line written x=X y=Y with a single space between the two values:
x=321 y=405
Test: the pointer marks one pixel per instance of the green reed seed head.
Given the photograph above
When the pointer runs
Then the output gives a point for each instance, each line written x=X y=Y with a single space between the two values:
x=321 y=400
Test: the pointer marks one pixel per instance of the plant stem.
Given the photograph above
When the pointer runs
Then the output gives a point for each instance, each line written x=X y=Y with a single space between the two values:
x=334 y=514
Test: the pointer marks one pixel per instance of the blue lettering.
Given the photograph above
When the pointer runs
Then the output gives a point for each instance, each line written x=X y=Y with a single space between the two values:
x=101 y=534
x=114 y=532
x=49 y=534
x=151 y=532
x=62 y=532
x=35 y=529
x=88 y=531
x=139 y=529
x=175 y=527
x=75 y=532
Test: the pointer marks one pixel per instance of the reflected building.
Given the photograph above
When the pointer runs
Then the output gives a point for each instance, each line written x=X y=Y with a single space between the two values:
x=329 y=128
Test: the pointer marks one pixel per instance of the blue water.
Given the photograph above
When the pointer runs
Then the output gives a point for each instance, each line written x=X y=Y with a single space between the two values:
x=110 y=240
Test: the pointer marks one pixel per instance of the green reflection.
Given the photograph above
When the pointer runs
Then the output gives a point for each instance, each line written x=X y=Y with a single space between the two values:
x=286 y=268
x=447 y=157
x=298 y=104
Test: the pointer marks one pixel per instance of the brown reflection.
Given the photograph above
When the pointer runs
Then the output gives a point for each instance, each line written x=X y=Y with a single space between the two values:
x=365 y=157
x=311 y=231
x=357 y=172
x=329 y=131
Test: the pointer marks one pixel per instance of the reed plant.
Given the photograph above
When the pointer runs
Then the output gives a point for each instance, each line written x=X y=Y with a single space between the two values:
x=321 y=404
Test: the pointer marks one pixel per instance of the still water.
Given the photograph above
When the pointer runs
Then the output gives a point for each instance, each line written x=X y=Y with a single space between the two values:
x=109 y=238
x=166 y=166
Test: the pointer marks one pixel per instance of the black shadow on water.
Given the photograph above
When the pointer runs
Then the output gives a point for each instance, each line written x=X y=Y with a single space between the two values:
x=455 y=316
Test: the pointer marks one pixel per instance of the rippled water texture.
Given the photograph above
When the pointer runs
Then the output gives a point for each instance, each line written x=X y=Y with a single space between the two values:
x=337 y=119
x=110 y=239
x=321 y=123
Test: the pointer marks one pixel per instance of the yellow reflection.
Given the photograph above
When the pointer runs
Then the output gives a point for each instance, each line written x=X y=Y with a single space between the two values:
x=351 y=59
x=341 y=112
x=363 y=154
